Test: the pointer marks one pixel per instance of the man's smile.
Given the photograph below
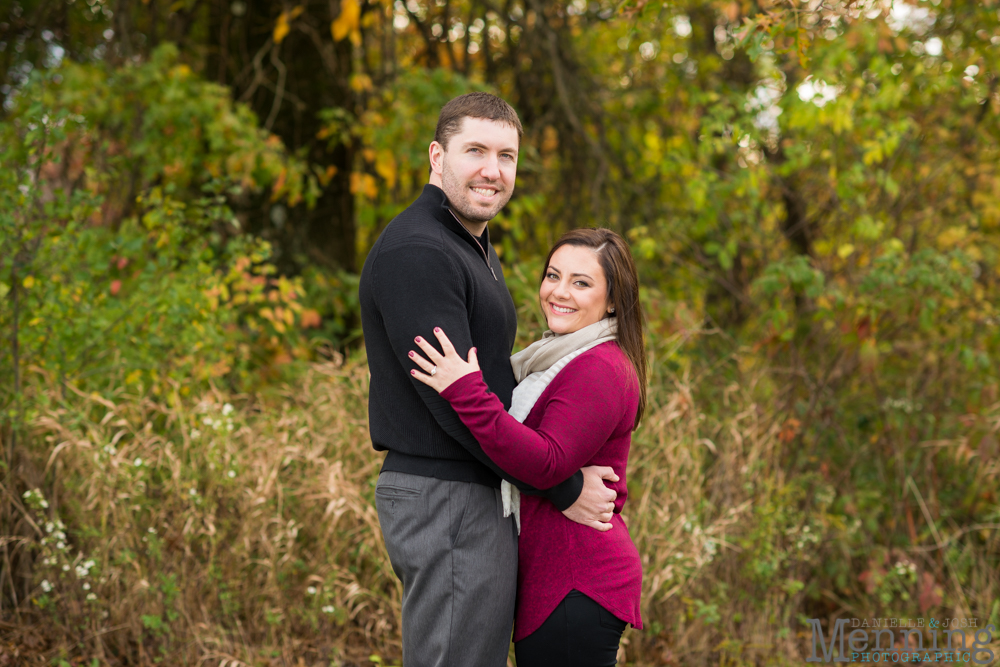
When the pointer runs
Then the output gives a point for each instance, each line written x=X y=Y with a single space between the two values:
x=485 y=191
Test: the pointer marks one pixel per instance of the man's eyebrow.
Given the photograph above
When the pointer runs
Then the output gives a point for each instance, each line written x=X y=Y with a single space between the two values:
x=479 y=144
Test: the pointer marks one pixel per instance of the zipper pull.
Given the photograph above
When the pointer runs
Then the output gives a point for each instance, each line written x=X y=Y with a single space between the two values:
x=494 y=273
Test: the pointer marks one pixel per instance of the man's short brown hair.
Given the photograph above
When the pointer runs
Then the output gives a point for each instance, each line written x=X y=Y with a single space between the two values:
x=474 y=105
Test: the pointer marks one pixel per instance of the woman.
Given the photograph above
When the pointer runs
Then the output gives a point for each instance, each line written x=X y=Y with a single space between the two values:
x=581 y=393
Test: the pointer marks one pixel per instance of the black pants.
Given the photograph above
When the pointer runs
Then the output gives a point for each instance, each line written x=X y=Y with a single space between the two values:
x=579 y=633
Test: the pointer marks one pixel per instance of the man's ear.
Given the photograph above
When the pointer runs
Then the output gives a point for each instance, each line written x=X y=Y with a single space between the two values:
x=435 y=153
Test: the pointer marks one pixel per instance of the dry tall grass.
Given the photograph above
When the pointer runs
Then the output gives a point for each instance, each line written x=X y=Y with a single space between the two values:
x=241 y=530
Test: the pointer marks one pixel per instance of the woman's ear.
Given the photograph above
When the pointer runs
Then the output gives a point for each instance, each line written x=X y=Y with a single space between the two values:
x=611 y=310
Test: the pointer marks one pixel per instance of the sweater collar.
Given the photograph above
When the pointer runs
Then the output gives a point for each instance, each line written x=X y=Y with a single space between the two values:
x=436 y=202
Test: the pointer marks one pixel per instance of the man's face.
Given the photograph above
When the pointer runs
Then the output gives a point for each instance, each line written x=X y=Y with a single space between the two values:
x=477 y=170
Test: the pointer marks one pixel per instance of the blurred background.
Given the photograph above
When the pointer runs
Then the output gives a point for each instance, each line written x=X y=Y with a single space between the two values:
x=189 y=188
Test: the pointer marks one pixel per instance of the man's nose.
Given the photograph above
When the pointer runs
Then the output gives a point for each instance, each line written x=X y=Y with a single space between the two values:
x=491 y=168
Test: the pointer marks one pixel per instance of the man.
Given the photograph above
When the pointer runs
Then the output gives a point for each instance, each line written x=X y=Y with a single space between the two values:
x=438 y=495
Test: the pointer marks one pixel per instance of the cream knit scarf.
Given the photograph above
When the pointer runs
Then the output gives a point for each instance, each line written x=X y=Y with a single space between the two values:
x=534 y=367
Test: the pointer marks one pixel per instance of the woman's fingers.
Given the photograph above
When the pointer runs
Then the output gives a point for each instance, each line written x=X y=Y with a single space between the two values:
x=423 y=377
x=420 y=361
x=428 y=349
x=473 y=357
x=446 y=345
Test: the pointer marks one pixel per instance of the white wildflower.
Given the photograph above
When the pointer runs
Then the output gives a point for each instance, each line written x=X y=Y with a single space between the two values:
x=328 y=609
x=231 y=474
x=91 y=597
x=46 y=586
x=311 y=590
x=195 y=433
x=86 y=586
x=137 y=462
x=227 y=409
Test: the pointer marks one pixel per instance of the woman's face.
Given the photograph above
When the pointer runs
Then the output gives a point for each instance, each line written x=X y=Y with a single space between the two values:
x=574 y=292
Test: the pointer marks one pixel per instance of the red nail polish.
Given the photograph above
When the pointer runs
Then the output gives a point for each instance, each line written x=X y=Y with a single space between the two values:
x=437 y=329
x=413 y=372
x=417 y=339
x=410 y=353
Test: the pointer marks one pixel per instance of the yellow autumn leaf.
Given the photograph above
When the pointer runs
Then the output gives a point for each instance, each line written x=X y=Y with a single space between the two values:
x=280 y=28
x=29 y=282
x=348 y=20
x=283 y=25
x=845 y=251
x=361 y=82
x=385 y=166
x=364 y=184
x=952 y=237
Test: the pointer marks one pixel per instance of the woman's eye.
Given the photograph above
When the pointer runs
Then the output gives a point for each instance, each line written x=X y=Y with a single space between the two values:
x=582 y=283
x=551 y=276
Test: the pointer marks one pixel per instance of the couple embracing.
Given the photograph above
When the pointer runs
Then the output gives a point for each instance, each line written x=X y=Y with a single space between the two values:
x=501 y=492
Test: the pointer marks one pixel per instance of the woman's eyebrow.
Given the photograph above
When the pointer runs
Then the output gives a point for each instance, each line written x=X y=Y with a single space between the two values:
x=580 y=275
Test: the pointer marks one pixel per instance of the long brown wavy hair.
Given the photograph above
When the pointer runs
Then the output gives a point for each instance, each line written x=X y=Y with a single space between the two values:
x=623 y=295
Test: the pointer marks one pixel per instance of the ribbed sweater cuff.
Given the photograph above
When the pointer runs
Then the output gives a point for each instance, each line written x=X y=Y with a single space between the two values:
x=564 y=494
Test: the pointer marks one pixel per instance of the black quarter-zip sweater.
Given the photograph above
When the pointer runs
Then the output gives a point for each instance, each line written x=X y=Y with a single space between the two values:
x=424 y=271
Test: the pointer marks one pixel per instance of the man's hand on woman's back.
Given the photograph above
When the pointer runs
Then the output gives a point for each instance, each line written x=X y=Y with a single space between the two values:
x=596 y=503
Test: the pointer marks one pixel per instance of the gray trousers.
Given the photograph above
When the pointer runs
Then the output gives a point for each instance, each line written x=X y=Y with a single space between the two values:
x=456 y=555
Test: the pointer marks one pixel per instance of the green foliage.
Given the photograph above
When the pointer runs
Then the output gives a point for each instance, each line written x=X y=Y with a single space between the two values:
x=811 y=192
x=134 y=272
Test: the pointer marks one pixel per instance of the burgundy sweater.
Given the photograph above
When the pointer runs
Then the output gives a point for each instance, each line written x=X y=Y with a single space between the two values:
x=584 y=417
